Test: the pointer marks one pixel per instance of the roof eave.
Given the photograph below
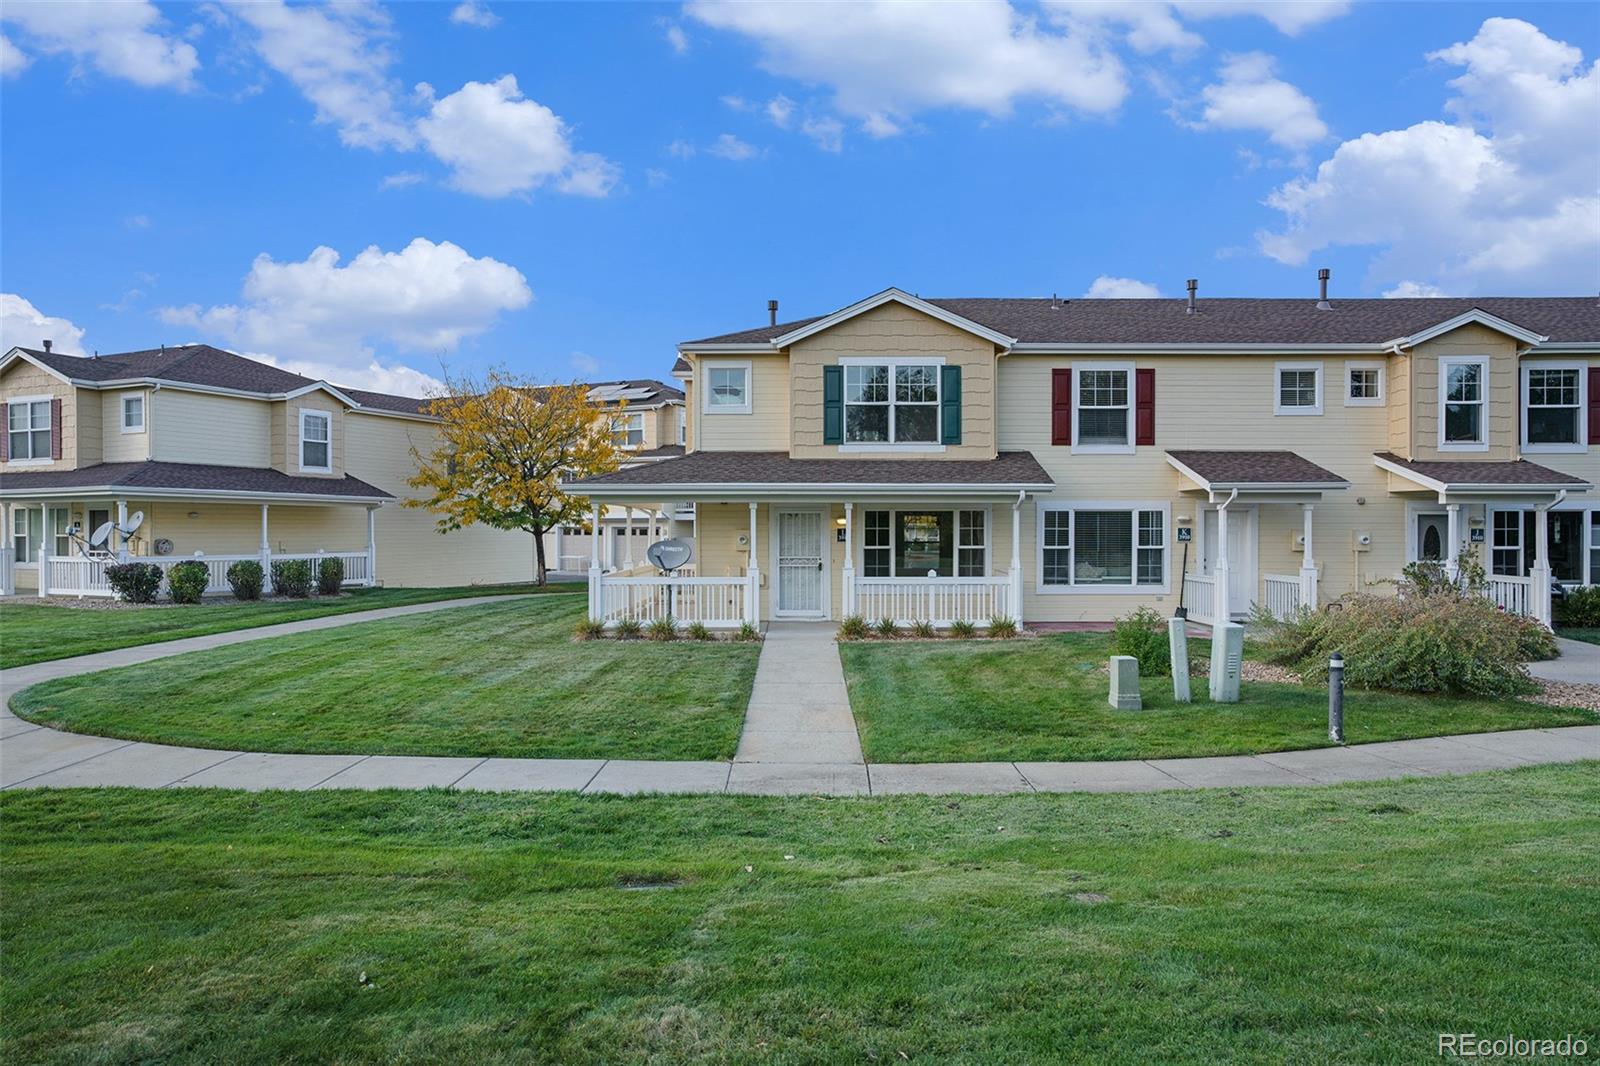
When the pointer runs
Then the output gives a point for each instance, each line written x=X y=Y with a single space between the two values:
x=900 y=296
x=1475 y=315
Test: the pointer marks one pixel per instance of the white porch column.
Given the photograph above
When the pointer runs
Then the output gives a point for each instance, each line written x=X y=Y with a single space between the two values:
x=1015 y=572
x=1539 y=594
x=596 y=608
x=1221 y=573
x=560 y=544
x=627 y=540
x=6 y=572
x=847 y=580
x=266 y=553
x=752 y=603
x=1452 y=556
x=43 y=554
x=372 y=545
x=122 y=523
x=1308 y=563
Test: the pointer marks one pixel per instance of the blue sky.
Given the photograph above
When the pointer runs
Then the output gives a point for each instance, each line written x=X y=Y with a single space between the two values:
x=361 y=192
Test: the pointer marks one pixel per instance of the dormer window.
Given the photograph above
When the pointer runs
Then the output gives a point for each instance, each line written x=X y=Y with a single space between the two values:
x=316 y=441
x=1463 y=421
x=1552 y=401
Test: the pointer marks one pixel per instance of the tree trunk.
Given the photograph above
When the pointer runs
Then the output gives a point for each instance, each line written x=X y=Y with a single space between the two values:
x=539 y=576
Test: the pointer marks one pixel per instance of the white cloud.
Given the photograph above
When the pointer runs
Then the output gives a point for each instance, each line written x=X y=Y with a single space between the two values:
x=137 y=222
x=473 y=13
x=681 y=150
x=339 y=59
x=585 y=364
x=1250 y=97
x=393 y=378
x=1147 y=27
x=1407 y=290
x=427 y=297
x=886 y=61
x=23 y=324
x=13 y=60
x=828 y=133
x=1291 y=17
x=402 y=180
x=780 y=110
x=498 y=143
x=655 y=177
x=728 y=146
x=1504 y=200
x=1106 y=287
x=676 y=39
x=123 y=40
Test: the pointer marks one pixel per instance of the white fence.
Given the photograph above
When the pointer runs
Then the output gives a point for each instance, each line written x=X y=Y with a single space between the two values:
x=711 y=601
x=77 y=575
x=940 y=600
x=1200 y=596
x=1283 y=595
x=1514 y=595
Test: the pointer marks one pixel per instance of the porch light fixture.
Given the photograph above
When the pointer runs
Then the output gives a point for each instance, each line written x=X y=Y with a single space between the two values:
x=839 y=521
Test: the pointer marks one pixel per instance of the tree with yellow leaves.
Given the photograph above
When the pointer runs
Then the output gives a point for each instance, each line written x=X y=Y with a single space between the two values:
x=504 y=443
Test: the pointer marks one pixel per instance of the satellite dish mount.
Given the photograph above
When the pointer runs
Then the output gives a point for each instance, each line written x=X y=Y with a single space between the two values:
x=670 y=555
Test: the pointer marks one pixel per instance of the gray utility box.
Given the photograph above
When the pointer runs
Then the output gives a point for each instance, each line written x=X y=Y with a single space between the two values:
x=1227 y=658
x=1125 y=683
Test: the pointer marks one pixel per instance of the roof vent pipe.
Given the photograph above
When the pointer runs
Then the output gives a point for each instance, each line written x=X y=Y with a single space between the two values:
x=1322 y=286
x=47 y=345
x=1194 y=284
x=772 y=312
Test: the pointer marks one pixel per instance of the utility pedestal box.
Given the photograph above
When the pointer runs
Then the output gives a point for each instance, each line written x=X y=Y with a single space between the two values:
x=1227 y=657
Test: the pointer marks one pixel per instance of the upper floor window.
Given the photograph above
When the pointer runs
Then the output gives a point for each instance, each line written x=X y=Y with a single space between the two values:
x=627 y=431
x=28 y=428
x=1102 y=413
x=1552 y=398
x=683 y=425
x=891 y=403
x=133 y=414
x=1463 y=422
x=1102 y=546
x=1363 y=384
x=1299 y=389
x=727 y=388
x=316 y=437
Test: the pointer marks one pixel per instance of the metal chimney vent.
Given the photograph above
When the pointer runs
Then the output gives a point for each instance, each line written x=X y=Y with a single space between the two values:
x=1322 y=285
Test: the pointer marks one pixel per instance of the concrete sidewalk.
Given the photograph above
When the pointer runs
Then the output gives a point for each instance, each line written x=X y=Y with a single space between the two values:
x=1579 y=663
x=799 y=734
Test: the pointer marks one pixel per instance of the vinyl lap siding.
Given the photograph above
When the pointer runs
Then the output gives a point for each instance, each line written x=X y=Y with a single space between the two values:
x=193 y=427
x=766 y=427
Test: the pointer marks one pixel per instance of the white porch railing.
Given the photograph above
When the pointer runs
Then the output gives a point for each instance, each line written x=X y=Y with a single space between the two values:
x=711 y=601
x=940 y=600
x=1283 y=595
x=1200 y=596
x=77 y=575
x=1514 y=595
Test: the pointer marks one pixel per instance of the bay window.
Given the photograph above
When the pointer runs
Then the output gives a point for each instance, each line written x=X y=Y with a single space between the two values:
x=1552 y=403
x=1463 y=423
x=1102 y=548
x=1103 y=409
x=913 y=543
x=28 y=428
x=895 y=402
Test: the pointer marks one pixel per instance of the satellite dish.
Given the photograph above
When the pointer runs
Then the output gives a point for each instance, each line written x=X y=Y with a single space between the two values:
x=101 y=534
x=670 y=554
x=135 y=520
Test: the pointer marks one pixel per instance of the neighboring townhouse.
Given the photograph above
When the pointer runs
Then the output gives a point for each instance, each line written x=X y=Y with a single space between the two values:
x=1070 y=460
x=227 y=458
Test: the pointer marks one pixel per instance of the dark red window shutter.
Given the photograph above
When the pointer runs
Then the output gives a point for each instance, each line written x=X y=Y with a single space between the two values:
x=55 y=428
x=1144 y=406
x=1061 y=405
x=5 y=434
x=1594 y=407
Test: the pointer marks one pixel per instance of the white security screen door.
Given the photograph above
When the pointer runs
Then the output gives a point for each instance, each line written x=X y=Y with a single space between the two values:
x=1241 y=555
x=800 y=562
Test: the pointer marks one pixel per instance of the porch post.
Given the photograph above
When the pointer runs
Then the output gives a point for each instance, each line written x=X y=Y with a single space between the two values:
x=372 y=546
x=122 y=523
x=596 y=608
x=5 y=549
x=752 y=603
x=266 y=553
x=560 y=545
x=1015 y=573
x=847 y=581
x=43 y=554
x=1452 y=558
x=1308 y=564
x=1539 y=594
x=1221 y=573
x=627 y=539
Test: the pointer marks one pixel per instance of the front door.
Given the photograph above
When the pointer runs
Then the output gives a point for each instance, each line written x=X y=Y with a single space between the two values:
x=801 y=562
x=1241 y=555
x=1433 y=532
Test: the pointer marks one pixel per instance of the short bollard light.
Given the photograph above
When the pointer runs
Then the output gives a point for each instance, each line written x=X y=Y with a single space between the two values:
x=1336 y=698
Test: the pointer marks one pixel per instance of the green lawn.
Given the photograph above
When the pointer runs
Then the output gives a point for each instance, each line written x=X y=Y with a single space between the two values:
x=1045 y=699
x=32 y=633
x=1346 y=924
x=1591 y=636
x=494 y=679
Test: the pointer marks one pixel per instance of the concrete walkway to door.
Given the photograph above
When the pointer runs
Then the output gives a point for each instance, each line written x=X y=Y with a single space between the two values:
x=798 y=730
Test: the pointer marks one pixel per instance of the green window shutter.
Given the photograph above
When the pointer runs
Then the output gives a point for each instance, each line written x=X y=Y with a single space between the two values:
x=950 y=403
x=833 y=405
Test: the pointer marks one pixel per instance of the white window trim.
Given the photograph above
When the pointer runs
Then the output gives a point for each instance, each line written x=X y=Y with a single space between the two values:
x=122 y=407
x=1585 y=508
x=35 y=460
x=683 y=424
x=707 y=407
x=1277 y=390
x=1077 y=405
x=1132 y=506
x=307 y=413
x=1445 y=363
x=622 y=424
x=1383 y=384
x=1582 y=409
x=891 y=446
x=859 y=539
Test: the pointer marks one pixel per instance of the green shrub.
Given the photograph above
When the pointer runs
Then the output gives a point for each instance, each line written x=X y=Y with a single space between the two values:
x=134 y=582
x=188 y=581
x=1143 y=635
x=628 y=629
x=589 y=629
x=1422 y=642
x=854 y=628
x=698 y=631
x=1002 y=627
x=1581 y=610
x=961 y=629
x=245 y=578
x=292 y=577
x=748 y=632
x=663 y=628
x=330 y=576
x=923 y=630
x=886 y=628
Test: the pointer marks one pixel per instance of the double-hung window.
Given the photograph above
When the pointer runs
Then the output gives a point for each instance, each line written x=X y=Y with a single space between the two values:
x=316 y=441
x=919 y=543
x=727 y=388
x=627 y=431
x=28 y=428
x=1552 y=399
x=133 y=414
x=683 y=425
x=1594 y=546
x=1463 y=420
x=1096 y=547
x=1103 y=411
x=891 y=403
x=1298 y=389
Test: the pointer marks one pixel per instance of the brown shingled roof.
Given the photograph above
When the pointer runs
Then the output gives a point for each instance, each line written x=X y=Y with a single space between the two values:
x=1466 y=474
x=1007 y=470
x=1231 y=468
x=194 y=477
